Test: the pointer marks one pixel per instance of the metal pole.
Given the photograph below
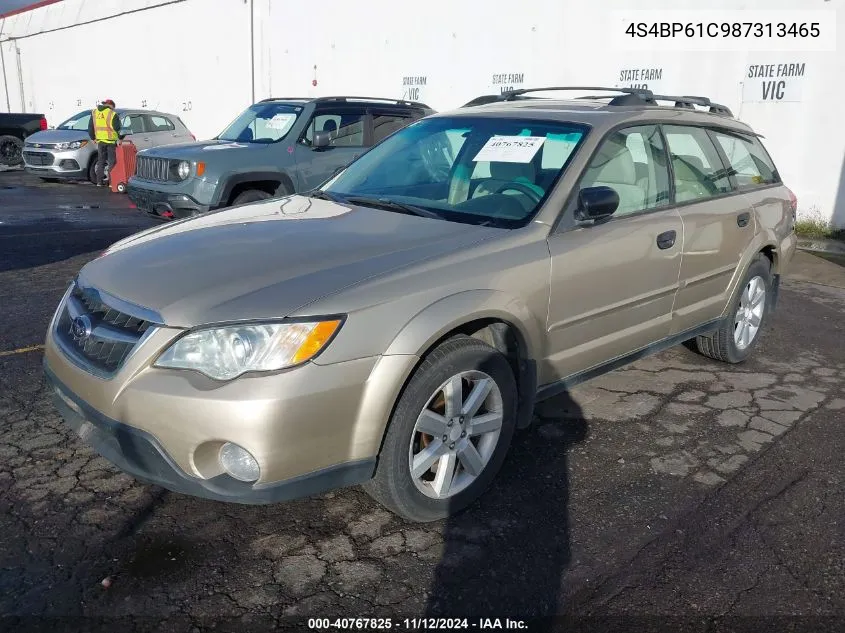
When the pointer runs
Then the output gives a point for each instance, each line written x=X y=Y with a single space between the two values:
x=5 y=81
x=20 y=78
x=252 y=45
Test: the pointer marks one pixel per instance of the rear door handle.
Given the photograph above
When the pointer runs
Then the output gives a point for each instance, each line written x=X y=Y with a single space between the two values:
x=666 y=240
x=743 y=218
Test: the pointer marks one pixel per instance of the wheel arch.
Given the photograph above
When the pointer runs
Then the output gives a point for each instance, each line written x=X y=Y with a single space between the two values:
x=765 y=247
x=491 y=316
x=268 y=181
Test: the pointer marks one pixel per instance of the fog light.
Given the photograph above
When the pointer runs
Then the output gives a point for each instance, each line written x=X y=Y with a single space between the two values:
x=239 y=463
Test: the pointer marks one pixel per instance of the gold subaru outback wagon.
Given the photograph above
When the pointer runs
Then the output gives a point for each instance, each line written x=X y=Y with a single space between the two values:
x=393 y=327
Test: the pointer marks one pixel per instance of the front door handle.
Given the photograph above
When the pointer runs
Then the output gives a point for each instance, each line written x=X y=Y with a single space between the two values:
x=743 y=218
x=666 y=240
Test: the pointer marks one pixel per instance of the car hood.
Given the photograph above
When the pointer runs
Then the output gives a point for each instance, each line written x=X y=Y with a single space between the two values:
x=200 y=150
x=58 y=136
x=267 y=259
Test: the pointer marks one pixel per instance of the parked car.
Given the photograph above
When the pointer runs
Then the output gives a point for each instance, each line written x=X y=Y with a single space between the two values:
x=67 y=152
x=393 y=327
x=15 y=128
x=273 y=148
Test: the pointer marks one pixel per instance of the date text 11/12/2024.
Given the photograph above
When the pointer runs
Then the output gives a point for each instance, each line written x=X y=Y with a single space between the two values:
x=415 y=624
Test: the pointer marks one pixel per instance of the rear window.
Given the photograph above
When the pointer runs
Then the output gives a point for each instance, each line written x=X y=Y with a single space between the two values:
x=750 y=164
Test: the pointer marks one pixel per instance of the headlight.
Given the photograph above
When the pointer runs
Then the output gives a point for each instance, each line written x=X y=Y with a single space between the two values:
x=72 y=145
x=224 y=353
x=183 y=169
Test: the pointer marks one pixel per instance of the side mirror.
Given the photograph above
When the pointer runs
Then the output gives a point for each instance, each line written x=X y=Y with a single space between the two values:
x=124 y=133
x=321 y=139
x=596 y=203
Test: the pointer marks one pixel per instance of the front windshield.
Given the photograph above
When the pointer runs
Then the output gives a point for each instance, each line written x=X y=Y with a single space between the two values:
x=78 y=122
x=262 y=123
x=481 y=170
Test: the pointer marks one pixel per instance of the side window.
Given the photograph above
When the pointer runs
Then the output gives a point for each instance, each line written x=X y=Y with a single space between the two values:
x=133 y=124
x=345 y=126
x=156 y=123
x=633 y=163
x=699 y=172
x=386 y=124
x=750 y=163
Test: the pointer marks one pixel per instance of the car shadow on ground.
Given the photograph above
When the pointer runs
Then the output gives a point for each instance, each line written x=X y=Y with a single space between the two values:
x=505 y=556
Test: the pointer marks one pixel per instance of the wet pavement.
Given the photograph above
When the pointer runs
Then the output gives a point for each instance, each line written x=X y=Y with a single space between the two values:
x=675 y=488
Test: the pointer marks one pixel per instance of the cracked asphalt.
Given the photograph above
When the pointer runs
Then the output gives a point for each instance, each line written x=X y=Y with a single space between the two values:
x=675 y=490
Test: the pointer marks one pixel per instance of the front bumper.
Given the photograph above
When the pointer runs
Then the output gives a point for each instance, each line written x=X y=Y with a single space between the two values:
x=48 y=163
x=307 y=427
x=165 y=204
x=139 y=454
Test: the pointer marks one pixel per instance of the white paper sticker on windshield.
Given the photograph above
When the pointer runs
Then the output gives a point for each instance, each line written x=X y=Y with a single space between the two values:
x=280 y=121
x=510 y=149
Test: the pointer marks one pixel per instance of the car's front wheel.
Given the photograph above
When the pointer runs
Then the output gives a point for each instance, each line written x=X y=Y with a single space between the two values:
x=449 y=433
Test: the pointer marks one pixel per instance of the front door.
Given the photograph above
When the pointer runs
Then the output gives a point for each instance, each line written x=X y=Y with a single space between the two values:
x=132 y=125
x=613 y=284
x=346 y=126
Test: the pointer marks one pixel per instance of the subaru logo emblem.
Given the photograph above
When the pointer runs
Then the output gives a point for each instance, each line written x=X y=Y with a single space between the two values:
x=81 y=328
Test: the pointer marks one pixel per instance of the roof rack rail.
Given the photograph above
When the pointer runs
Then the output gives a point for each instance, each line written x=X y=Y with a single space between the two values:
x=685 y=101
x=375 y=99
x=508 y=94
x=347 y=98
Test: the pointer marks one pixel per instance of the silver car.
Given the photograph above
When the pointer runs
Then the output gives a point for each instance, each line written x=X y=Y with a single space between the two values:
x=67 y=152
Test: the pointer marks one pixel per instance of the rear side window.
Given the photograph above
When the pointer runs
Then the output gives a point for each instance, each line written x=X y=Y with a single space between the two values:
x=386 y=124
x=750 y=164
x=160 y=124
x=699 y=171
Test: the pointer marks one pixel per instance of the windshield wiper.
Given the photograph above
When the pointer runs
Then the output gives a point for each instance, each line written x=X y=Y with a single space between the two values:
x=323 y=195
x=392 y=205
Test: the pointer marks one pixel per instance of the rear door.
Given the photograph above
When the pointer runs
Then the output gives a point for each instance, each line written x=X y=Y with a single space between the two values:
x=348 y=127
x=718 y=225
x=161 y=130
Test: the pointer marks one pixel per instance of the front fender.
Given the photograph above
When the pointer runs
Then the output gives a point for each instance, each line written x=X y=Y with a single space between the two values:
x=434 y=322
x=395 y=367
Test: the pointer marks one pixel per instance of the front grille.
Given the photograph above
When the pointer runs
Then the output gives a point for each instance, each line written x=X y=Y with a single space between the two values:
x=157 y=169
x=39 y=159
x=97 y=334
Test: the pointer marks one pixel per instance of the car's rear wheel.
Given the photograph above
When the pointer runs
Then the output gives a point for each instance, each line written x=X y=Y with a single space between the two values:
x=250 y=195
x=11 y=151
x=740 y=331
x=449 y=433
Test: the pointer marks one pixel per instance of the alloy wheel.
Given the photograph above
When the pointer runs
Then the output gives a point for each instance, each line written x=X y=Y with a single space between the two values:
x=456 y=434
x=749 y=316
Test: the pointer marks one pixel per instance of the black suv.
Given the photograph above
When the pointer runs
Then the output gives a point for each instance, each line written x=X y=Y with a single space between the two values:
x=275 y=147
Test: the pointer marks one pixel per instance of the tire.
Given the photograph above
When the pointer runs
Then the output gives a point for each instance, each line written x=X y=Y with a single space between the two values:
x=92 y=171
x=250 y=195
x=726 y=344
x=393 y=484
x=121 y=187
x=282 y=190
x=11 y=151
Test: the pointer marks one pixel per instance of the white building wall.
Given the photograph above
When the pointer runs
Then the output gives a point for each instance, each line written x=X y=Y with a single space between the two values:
x=195 y=58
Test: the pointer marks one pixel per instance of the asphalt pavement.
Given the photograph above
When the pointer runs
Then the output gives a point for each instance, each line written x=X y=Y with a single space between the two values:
x=677 y=493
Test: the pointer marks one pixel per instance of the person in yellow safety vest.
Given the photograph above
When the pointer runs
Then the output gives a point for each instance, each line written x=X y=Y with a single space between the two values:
x=104 y=130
